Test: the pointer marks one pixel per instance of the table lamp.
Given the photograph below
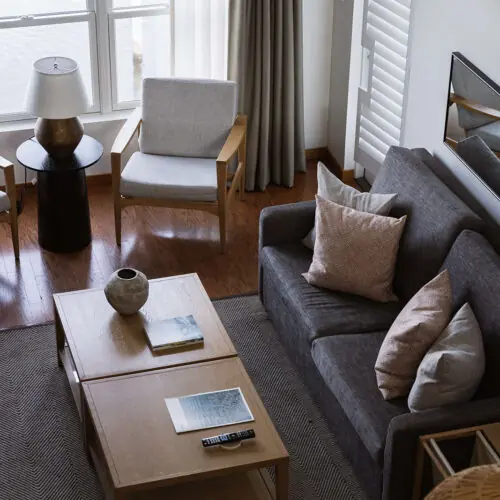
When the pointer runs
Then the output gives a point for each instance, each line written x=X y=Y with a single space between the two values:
x=56 y=95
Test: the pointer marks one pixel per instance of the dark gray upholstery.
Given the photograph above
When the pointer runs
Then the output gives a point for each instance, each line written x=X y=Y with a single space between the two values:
x=436 y=216
x=474 y=269
x=346 y=362
x=334 y=338
x=318 y=311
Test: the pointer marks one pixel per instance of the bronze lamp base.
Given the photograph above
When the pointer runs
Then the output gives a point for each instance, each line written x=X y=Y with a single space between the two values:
x=59 y=137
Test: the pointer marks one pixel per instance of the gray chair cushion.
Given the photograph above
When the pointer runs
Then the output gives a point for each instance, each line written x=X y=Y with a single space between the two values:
x=321 y=312
x=4 y=202
x=170 y=177
x=436 y=216
x=346 y=363
x=474 y=269
x=186 y=117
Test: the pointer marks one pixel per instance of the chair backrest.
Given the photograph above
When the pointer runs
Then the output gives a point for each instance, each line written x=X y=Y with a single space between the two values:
x=468 y=85
x=436 y=216
x=186 y=117
x=474 y=269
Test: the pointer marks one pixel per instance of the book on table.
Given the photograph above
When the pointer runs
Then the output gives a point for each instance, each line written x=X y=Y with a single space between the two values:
x=173 y=333
x=208 y=410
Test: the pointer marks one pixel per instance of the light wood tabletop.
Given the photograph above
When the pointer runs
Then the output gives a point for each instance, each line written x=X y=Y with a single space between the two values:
x=103 y=343
x=126 y=420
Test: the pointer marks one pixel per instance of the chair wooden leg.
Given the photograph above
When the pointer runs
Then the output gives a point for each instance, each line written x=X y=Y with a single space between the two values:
x=118 y=223
x=222 y=231
x=242 y=183
x=15 y=237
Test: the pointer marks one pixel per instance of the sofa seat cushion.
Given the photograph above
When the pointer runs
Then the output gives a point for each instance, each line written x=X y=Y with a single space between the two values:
x=321 y=312
x=170 y=178
x=346 y=363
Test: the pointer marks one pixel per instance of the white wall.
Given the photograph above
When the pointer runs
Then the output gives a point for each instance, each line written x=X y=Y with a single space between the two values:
x=339 y=80
x=317 y=37
x=440 y=28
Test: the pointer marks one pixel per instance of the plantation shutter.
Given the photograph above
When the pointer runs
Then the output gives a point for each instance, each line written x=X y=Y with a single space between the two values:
x=381 y=100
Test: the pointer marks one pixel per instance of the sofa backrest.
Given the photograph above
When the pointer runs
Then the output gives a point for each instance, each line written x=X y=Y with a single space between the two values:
x=474 y=269
x=436 y=216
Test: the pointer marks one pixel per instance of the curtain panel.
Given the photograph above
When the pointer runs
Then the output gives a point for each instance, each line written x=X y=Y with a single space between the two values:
x=265 y=58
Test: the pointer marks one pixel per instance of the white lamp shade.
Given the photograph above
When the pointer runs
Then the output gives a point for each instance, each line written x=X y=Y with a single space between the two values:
x=56 y=89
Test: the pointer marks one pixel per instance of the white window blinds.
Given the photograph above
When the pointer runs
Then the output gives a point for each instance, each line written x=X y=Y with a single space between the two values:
x=381 y=100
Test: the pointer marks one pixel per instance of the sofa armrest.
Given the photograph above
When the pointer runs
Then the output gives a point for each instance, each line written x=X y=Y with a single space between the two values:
x=283 y=224
x=403 y=437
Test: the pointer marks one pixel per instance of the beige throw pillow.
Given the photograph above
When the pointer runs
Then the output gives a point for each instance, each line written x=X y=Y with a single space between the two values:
x=355 y=252
x=415 y=329
x=331 y=188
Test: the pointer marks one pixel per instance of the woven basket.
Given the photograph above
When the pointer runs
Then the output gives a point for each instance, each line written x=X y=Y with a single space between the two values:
x=476 y=483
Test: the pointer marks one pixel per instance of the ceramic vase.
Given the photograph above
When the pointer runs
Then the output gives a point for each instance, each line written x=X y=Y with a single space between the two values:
x=127 y=290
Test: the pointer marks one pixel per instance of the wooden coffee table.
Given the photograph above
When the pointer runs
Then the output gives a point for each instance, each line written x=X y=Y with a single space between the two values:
x=94 y=341
x=133 y=442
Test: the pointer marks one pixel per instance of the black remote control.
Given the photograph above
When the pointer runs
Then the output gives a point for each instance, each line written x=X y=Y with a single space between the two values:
x=231 y=437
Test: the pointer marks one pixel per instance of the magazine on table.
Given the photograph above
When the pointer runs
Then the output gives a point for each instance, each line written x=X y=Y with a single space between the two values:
x=208 y=410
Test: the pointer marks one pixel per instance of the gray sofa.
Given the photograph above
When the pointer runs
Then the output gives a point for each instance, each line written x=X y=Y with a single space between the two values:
x=334 y=338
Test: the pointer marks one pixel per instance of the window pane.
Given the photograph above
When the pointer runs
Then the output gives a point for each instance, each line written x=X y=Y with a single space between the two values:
x=21 y=47
x=25 y=7
x=138 y=3
x=142 y=50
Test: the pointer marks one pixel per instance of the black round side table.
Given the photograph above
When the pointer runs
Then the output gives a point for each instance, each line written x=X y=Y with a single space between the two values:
x=63 y=205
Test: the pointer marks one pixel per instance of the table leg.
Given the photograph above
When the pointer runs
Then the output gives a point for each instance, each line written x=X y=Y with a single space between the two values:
x=282 y=480
x=63 y=211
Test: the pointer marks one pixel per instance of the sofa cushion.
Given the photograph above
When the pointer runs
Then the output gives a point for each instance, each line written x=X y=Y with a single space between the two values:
x=474 y=269
x=436 y=216
x=321 y=311
x=346 y=364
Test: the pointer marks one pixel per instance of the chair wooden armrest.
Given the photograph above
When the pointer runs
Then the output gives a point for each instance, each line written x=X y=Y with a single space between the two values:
x=475 y=107
x=234 y=140
x=10 y=188
x=127 y=132
x=10 y=182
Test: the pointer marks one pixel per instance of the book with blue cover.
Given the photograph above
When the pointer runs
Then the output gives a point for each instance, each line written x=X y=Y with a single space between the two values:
x=173 y=333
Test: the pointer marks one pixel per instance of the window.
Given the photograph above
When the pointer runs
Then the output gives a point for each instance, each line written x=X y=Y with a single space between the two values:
x=116 y=43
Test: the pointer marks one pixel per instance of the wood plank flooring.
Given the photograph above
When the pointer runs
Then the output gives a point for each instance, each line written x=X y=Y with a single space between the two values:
x=158 y=241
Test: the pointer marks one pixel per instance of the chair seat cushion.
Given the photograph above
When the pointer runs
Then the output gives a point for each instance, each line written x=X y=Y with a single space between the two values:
x=346 y=363
x=170 y=177
x=321 y=312
x=4 y=202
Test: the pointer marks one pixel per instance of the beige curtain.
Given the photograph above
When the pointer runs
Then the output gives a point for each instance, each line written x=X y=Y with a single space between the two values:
x=265 y=58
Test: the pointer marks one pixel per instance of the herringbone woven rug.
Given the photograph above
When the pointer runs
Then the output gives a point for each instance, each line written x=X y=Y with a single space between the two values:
x=41 y=454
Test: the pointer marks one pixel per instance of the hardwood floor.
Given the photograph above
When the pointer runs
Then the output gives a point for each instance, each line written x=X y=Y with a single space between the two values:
x=157 y=241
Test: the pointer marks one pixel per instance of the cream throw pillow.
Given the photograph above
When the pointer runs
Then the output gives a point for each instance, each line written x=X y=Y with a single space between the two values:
x=331 y=188
x=355 y=252
x=453 y=367
x=415 y=329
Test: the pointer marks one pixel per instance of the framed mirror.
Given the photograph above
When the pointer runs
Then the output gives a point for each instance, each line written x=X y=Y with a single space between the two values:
x=473 y=120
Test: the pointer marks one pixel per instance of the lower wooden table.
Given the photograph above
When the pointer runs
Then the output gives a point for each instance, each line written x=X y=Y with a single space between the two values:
x=132 y=439
x=94 y=341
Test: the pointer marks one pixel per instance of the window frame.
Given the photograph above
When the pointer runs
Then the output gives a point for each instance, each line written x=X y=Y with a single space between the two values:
x=55 y=18
x=152 y=10
x=100 y=16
